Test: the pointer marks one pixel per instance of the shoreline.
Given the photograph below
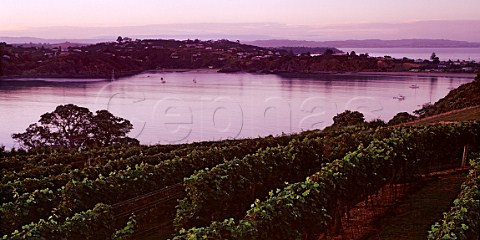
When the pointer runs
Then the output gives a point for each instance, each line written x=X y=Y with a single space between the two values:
x=97 y=78
x=180 y=70
x=376 y=74
x=422 y=74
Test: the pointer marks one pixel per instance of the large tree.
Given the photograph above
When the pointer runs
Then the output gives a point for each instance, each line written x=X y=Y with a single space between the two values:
x=71 y=126
x=348 y=118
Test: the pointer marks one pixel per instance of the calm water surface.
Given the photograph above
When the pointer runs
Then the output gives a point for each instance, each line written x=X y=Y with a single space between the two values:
x=196 y=106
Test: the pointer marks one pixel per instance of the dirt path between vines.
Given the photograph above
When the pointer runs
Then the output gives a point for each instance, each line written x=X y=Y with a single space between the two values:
x=405 y=211
x=413 y=217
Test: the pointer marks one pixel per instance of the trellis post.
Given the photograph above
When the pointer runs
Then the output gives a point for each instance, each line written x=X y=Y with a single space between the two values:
x=465 y=154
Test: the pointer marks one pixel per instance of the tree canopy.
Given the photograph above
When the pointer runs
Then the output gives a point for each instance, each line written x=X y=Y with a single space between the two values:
x=348 y=118
x=71 y=126
x=401 y=117
x=434 y=58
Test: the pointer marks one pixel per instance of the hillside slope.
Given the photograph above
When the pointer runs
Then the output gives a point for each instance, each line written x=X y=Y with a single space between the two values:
x=467 y=95
x=460 y=115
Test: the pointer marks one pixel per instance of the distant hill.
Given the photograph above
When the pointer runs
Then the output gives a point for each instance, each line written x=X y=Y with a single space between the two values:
x=62 y=45
x=311 y=50
x=369 y=43
x=35 y=40
x=277 y=43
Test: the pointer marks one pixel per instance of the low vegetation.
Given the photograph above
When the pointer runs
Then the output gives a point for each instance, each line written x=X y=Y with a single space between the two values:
x=463 y=219
x=58 y=194
x=314 y=207
x=461 y=115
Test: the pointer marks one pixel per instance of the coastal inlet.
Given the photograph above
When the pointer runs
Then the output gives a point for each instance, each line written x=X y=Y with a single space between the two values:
x=174 y=107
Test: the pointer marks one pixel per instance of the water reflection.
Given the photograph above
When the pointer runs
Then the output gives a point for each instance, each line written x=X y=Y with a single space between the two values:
x=218 y=106
x=19 y=84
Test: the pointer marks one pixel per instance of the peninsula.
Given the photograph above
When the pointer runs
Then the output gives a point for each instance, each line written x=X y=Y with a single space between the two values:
x=127 y=57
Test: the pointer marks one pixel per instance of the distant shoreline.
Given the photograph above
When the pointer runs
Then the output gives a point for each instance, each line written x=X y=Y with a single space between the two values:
x=170 y=70
x=393 y=74
x=96 y=78
x=76 y=76
x=422 y=74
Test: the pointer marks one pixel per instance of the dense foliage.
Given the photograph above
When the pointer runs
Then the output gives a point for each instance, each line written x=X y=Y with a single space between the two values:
x=348 y=118
x=80 y=226
x=316 y=205
x=45 y=187
x=402 y=117
x=228 y=189
x=71 y=126
x=463 y=219
x=46 y=192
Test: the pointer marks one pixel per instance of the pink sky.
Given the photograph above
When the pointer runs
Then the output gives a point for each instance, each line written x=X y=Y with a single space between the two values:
x=307 y=18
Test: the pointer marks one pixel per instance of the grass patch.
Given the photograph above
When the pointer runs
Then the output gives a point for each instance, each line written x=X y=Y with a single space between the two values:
x=462 y=115
x=413 y=218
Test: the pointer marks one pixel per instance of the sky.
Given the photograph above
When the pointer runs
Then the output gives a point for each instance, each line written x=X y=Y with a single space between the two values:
x=23 y=17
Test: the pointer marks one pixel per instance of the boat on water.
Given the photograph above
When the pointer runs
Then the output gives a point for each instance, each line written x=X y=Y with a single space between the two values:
x=162 y=80
x=399 y=97
x=414 y=86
